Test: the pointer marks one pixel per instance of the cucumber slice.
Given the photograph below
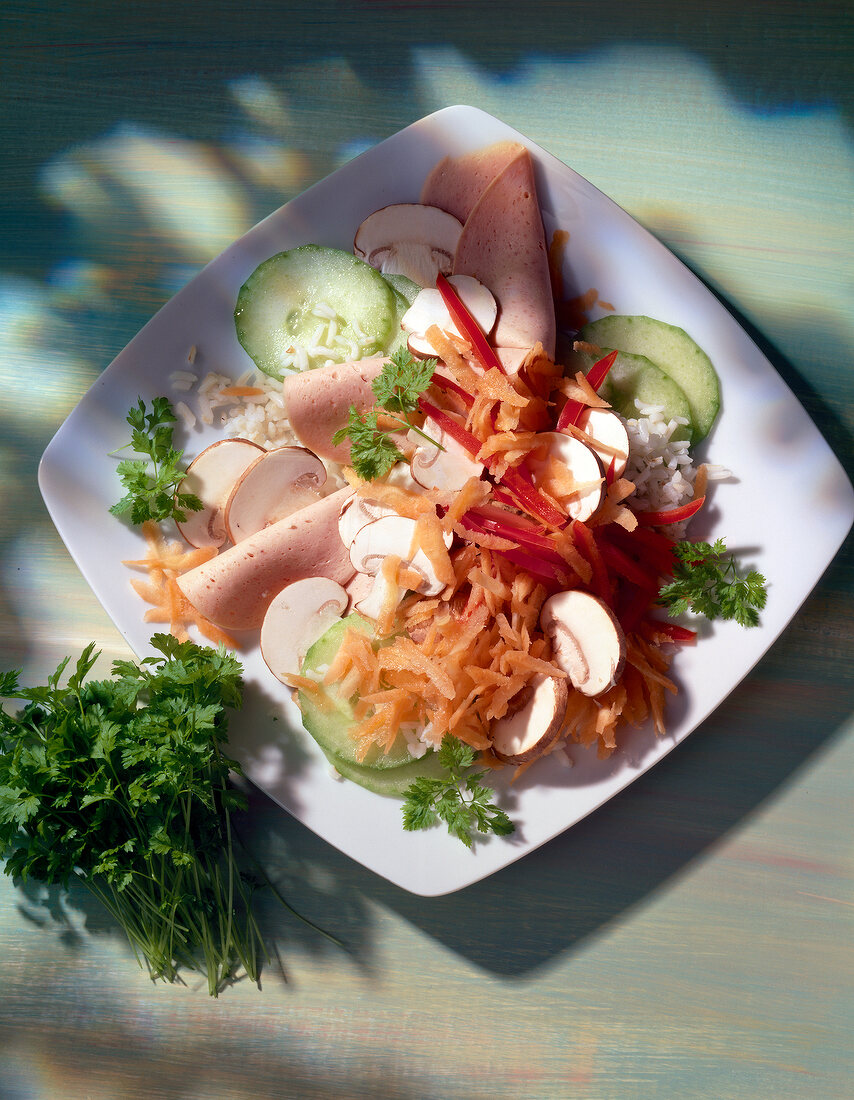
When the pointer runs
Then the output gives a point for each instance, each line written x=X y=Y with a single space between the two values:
x=634 y=376
x=674 y=352
x=274 y=313
x=391 y=782
x=330 y=725
x=404 y=287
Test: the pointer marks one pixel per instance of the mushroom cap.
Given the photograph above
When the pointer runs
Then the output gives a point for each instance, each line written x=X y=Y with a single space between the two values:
x=409 y=239
x=584 y=466
x=608 y=437
x=532 y=729
x=211 y=476
x=394 y=535
x=356 y=513
x=447 y=469
x=429 y=309
x=588 y=643
x=276 y=484
x=372 y=603
x=296 y=618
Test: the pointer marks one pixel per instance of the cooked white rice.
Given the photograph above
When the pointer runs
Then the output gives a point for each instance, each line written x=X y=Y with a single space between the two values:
x=660 y=466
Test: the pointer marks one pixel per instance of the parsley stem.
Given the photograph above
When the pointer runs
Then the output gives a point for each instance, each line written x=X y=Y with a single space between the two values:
x=407 y=423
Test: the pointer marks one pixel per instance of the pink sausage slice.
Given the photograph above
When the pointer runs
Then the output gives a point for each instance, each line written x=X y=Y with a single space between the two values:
x=235 y=589
x=503 y=245
x=317 y=403
x=456 y=183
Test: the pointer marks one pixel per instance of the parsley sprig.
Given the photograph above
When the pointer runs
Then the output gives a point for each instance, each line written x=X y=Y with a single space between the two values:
x=122 y=784
x=706 y=581
x=459 y=798
x=152 y=483
x=397 y=388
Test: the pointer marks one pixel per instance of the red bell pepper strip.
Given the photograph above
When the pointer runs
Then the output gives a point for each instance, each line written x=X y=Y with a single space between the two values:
x=626 y=567
x=634 y=604
x=671 y=515
x=585 y=543
x=650 y=548
x=447 y=423
x=672 y=631
x=467 y=325
x=530 y=539
x=533 y=502
x=447 y=384
x=547 y=566
x=572 y=410
x=525 y=494
x=544 y=570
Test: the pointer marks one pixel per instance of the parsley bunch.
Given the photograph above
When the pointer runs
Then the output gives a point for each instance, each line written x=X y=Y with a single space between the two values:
x=706 y=581
x=397 y=388
x=152 y=483
x=123 y=785
x=458 y=799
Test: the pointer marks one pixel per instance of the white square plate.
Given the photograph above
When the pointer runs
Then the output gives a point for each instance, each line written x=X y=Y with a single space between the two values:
x=762 y=434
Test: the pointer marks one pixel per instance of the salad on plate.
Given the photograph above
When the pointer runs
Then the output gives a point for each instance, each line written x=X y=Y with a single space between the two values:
x=452 y=509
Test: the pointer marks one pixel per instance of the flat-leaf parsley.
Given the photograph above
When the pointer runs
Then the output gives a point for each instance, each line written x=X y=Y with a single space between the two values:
x=706 y=581
x=458 y=799
x=152 y=483
x=397 y=388
x=122 y=784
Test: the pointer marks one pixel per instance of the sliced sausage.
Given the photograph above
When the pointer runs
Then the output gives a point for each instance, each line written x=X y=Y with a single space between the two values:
x=317 y=403
x=235 y=589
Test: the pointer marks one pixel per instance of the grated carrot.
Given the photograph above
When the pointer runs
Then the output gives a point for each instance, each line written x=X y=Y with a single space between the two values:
x=240 y=391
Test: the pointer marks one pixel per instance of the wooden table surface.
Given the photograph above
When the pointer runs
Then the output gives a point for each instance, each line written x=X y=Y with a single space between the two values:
x=692 y=938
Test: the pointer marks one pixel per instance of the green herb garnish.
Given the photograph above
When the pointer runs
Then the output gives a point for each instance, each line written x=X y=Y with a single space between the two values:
x=397 y=388
x=458 y=799
x=122 y=784
x=152 y=483
x=706 y=581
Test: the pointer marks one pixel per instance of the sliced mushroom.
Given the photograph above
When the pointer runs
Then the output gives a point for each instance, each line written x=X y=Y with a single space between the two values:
x=409 y=239
x=394 y=535
x=587 y=640
x=296 y=619
x=211 y=476
x=358 y=588
x=608 y=437
x=584 y=466
x=276 y=484
x=356 y=513
x=371 y=605
x=434 y=468
x=429 y=309
x=532 y=729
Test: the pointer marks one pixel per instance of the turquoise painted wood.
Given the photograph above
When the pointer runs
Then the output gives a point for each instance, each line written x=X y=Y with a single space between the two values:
x=694 y=937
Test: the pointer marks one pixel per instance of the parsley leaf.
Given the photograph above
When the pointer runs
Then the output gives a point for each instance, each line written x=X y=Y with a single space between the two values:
x=706 y=581
x=373 y=452
x=458 y=799
x=123 y=784
x=397 y=388
x=402 y=381
x=152 y=484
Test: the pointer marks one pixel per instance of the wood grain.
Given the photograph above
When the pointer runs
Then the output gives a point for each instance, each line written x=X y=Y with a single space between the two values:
x=692 y=938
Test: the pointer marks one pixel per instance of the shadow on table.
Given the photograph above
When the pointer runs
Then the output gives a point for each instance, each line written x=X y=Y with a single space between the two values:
x=577 y=884
x=580 y=882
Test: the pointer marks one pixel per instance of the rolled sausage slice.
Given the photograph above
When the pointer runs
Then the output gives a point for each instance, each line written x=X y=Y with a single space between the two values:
x=235 y=588
x=317 y=403
x=456 y=183
x=503 y=245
